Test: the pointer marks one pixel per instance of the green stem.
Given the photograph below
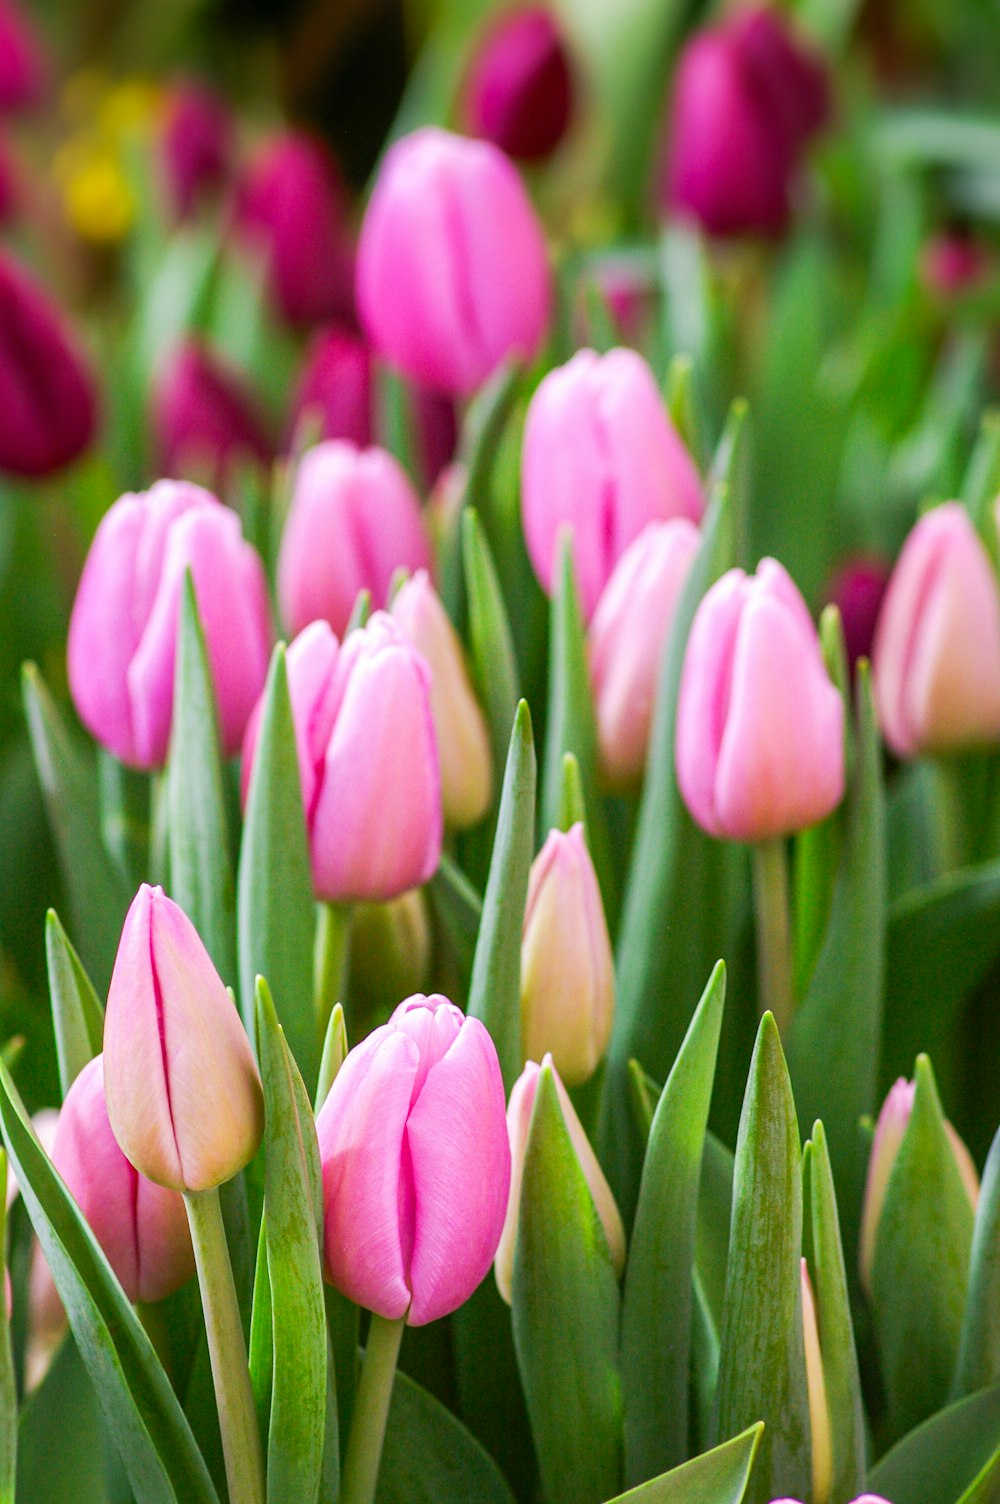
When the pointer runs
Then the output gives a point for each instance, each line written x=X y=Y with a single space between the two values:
x=774 y=939
x=227 y=1350
x=957 y=809
x=371 y=1411
x=333 y=943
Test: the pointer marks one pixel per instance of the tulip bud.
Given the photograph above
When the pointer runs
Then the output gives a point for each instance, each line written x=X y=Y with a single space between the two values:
x=46 y=391
x=368 y=760
x=890 y=1130
x=354 y=520
x=857 y=590
x=203 y=416
x=335 y=388
x=519 y=92
x=936 y=663
x=23 y=68
x=602 y=457
x=123 y=630
x=627 y=639
x=760 y=727
x=952 y=263
x=183 y=1092
x=821 y=1445
x=196 y=145
x=142 y=1227
x=519 y=1110
x=567 y=969
x=453 y=274
x=416 y=1164
x=462 y=736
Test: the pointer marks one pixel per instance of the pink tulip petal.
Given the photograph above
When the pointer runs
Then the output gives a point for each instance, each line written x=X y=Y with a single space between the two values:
x=703 y=702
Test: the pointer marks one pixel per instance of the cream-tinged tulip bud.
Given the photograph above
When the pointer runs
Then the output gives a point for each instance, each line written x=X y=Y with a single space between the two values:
x=819 y=1410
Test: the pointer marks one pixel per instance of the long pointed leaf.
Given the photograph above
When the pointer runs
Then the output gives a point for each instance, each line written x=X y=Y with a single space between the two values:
x=493 y=661
x=979 y=1353
x=940 y=1460
x=8 y=1385
x=77 y=1015
x=717 y=1477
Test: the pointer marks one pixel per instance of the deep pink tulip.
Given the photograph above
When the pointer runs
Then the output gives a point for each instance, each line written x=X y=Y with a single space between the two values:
x=416 y=1164
x=294 y=206
x=10 y=187
x=47 y=393
x=196 y=144
x=787 y=73
x=519 y=91
x=204 y=418
x=760 y=727
x=23 y=67
x=936 y=661
x=354 y=520
x=857 y=590
x=142 y=1227
x=184 y=1096
x=627 y=639
x=952 y=263
x=123 y=630
x=453 y=272
x=368 y=760
x=602 y=457
x=435 y=424
x=334 y=390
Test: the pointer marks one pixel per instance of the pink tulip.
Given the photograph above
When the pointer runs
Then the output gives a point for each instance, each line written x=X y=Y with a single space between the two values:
x=857 y=590
x=368 y=760
x=123 y=631
x=627 y=639
x=416 y=1165
x=196 y=144
x=936 y=662
x=453 y=275
x=519 y=92
x=334 y=389
x=760 y=727
x=953 y=263
x=23 y=67
x=183 y=1092
x=354 y=520
x=602 y=457
x=142 y=1227
x=204 y=418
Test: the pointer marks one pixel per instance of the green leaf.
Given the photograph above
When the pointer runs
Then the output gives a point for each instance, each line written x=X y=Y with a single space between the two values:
x=97 y=900
x=942 y=1459
x=77 y=1015
x=141 y=1411
x=982 y=477
x=711 y=1260
x=920 y=1271
x=495 y=988
x=682 y=400
x=429 y=1456
x=201 y=874
x=63 y=1404
x=8 y=1382
x=565 y=1314
x=979 y=1351
x=717 y=1477
x=458 y=907
x=494 y=665
x=334 y=1053
x=656 y=1302
x=276 y=911
x=762 y=1363
x=572 y=805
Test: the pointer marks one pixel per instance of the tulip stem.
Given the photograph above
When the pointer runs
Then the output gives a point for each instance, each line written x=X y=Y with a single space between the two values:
x=333 y=943
x=774 y=937
x=227 y=1349
x=371 y=1411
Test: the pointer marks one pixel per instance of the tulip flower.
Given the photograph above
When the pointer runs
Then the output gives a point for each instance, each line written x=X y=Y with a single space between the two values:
x=334 y=389
x=453 y=275
x=953 y=263
x=123 y=630
x=23 y=68
x=567 y=969
x=46 y=391
x=936 y=662
x=196 y=144
x=183 y=1092
x=354 y=520
x=462 y=736
x=627 y=639
x=368 y=760
x=142 y=1227
x=519 y=1110
x=760 y=727
x=416 y=1164
x=203 y=416
x=821 y=1444
x=519 y=91
x=890 y=1130
x=601 y=457
x=857 y=590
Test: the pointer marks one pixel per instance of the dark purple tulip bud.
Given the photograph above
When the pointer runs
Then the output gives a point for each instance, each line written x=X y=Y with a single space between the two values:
x=519 y=92
x=791 y=79
x=47 y=394
x=204 y=417
x=857 y=590
x=10 y=191
x=197 y=144
x=23 y=69
x=436 y=431
x=335 y=389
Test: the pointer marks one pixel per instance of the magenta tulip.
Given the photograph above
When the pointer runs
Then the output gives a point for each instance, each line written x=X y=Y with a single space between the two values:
x=416 y=1164
x=601 y=457
x=354 y=520
x=760 y=727
x=453 y=274
x=123 y=630
x=334 y=390
x=204 y=418
x=953 y=263
x=23 y=67
x=368 y=760
x=857 y=590
x=142 y=1227
x=196 y=145
x=519 y=91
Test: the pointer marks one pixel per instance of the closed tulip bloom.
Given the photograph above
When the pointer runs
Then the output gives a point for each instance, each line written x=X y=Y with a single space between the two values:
x=453 y=274
x=567 y=969
x=760 y=727
x=602 y=458
x=334 y=390
x=857 y=590
x=462 y=736
x=368 y=760
x=47 y=393
x=821 y=1446
x=416 y=1164
x=519 y=92
x=354 y=520
x=183 y=1092
x=196 y=144
x=142 y=1227
x=627 y=639
x=519 y=1110
x=953 y=263
x=123 y=630
x=204 y=418
x=23 y=68
x=936 y=661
